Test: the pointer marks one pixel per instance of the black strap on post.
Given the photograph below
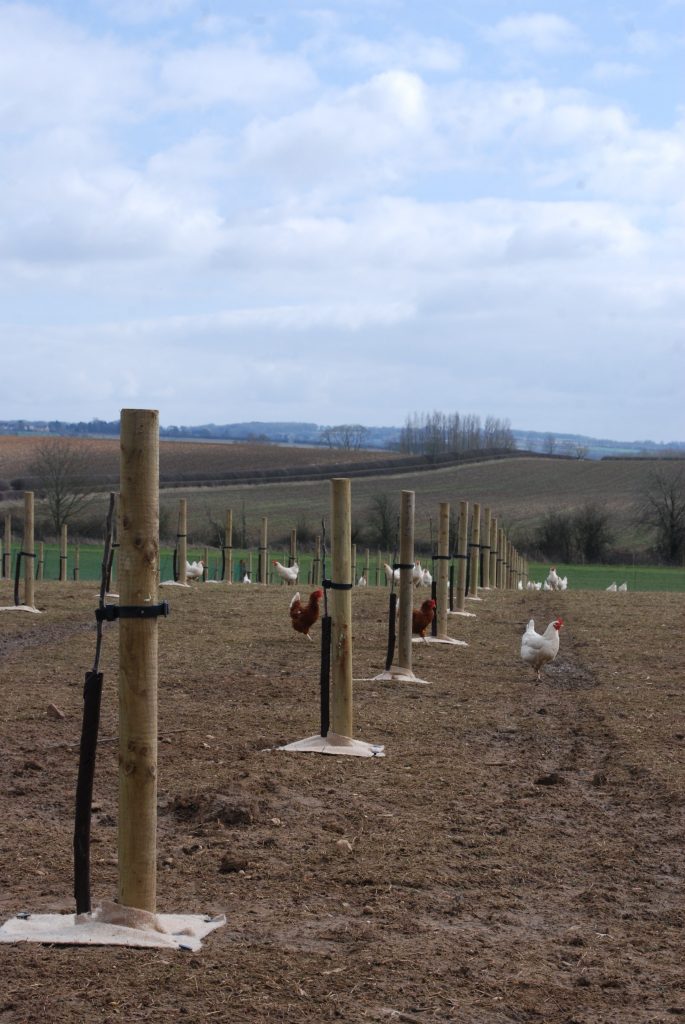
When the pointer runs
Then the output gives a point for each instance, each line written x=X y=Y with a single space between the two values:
x=400 y=565
x=392 y=630
x=110 y=612
x=325 y=677
x=330 y=585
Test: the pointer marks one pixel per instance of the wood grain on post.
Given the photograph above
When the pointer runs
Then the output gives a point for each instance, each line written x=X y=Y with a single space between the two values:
x=138 y=573
x=341 y=609
x=404 y=649
x=462 y=553
x=474 y=550
x=262 y=576
x=228 y=547
x=443 y=567
x=29 y=550
x=485 y=548
x=182 y=546
x=63 y=553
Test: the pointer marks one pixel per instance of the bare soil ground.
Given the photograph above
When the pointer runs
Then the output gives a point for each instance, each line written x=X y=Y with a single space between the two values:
x=518 y=855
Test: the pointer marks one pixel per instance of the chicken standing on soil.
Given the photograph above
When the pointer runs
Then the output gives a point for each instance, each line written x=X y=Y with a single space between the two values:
x=303 y=616
x=537 y=649
x=289 y=573
x=422 y=617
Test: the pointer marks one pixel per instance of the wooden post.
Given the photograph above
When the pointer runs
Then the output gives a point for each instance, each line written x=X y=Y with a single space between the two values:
x=443 y=566
x=29 y=551
x=7 y=553
x=77 y=560
x=462 y=552
x=379 y=568
x=485 y=548
x=205 y=565
x=353 y=577
x=182 y=541
x=407 y=505
x=341 y=609
x=40 y=568
x=493 y=552
x=293 y=546
x=63 y=554
x=316 y=567
x=500 y=558
x=262 y=578
x=228 y=547
x=138 y=571
x=474 y=550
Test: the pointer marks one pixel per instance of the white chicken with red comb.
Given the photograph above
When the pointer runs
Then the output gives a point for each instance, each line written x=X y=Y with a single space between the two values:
x=537 y=649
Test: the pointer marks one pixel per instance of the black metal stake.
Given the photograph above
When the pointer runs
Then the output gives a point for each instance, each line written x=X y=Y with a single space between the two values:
x=325 y=679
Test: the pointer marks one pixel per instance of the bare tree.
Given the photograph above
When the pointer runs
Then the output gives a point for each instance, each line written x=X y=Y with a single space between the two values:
x=662 y=508
x=349 y=436
x=549 y=444
x=61 y=472
x=383 y=521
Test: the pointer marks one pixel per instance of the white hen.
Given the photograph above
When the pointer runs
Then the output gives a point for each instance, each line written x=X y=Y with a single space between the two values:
x=289 y=573
x=391 y=574
x=538 y=649
x=194 y=570
x=612 y=588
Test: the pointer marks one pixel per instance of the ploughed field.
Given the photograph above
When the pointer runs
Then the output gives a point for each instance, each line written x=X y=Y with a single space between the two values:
x=518 y=855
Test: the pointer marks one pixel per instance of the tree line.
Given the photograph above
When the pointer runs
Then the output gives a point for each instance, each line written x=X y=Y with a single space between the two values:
x=437 y=432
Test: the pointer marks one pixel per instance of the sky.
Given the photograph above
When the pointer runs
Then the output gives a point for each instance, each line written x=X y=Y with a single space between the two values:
x=345 y=212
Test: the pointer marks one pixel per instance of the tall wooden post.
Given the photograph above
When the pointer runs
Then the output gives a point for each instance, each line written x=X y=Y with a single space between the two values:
x=29 y=551
x=77 y=560
x=228 y=547
x=40 y=569
x=7 y=552
x=474 y=550
x=500 y=558
x=182 y=541
x=443 y=565
x=262 y=577
x=354 y=563
x=493 y=552
x=293 y=546
x=63 y=553
x=462 y=554
x=379 y=568
x=407 y=506
x=138 y=573
x=485 y=548
x=367 y=565
x=341 y=609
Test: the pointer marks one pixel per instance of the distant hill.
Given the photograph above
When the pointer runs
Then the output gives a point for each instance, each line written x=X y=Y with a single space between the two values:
x=296 y=433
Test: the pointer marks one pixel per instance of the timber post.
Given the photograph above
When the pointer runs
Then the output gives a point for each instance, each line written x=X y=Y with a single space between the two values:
x=63 y=553
x=28 y=550
x=474 y=551
x=182 y=539
x=462 y=554
x=7 y=551
x=485 y=549
x=262 y=570
x=341 y=609
x=228 y=547
x=404 y=646
x=443 y=565
x=138 y=666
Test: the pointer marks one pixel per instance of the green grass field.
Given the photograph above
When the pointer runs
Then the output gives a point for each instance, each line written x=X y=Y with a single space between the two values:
x=580 y=577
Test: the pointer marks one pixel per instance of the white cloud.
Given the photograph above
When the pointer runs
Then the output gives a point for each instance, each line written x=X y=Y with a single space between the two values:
x=240 y=73
x=616 y=71
x=541 y=33
x=408 y=52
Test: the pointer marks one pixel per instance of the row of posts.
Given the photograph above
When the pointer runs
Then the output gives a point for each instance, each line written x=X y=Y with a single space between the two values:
x=485 y=557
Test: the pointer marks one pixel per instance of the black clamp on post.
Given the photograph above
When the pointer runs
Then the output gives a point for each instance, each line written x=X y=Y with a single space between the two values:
x=330 y=585
x=441 y=558
x=402 y=565
x=110 y=612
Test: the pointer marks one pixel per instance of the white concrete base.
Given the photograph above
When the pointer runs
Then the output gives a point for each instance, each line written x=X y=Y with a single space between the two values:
x=335 y=744
x=473 y=598
x=397 y=674
x=112 y=925
x=439 y=640
x=466 y=615
x=173 y=583
x=21 y=608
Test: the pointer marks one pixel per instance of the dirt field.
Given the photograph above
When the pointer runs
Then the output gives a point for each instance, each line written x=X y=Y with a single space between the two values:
x=518 y=855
